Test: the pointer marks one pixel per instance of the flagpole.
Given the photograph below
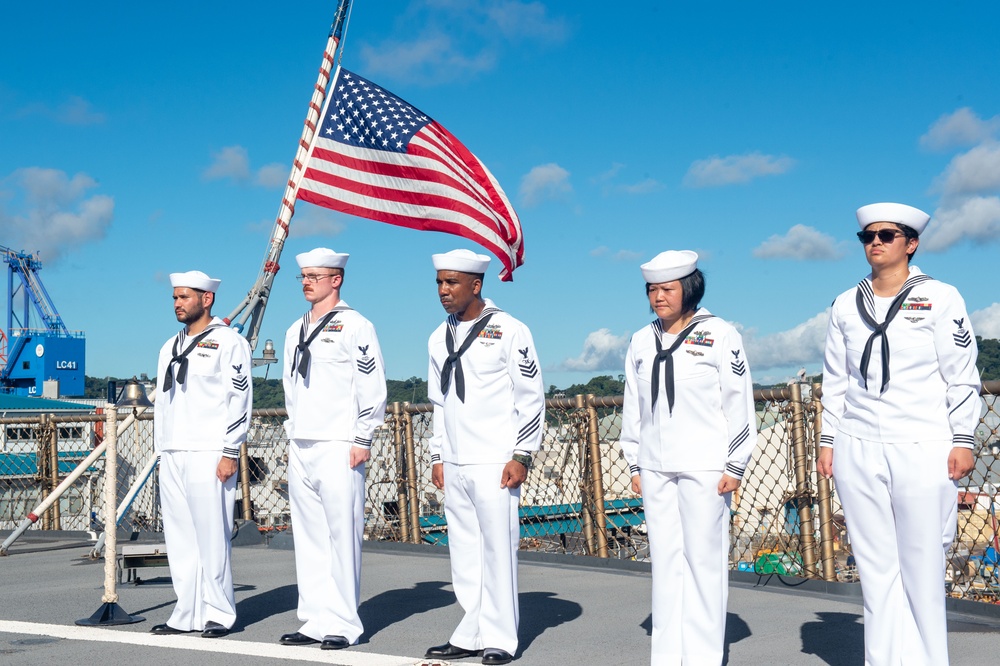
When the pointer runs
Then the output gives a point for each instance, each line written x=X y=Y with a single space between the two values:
x=249 y=315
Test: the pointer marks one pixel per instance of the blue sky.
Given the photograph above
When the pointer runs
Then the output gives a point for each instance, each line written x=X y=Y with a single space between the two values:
x=139 y=139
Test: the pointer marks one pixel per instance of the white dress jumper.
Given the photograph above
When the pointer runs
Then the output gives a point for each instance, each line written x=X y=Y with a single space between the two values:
x=681 y=452
x=892 y=422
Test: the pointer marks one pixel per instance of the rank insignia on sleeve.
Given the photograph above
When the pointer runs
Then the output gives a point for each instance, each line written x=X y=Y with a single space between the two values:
x=739 y=367
x=527 y=366
x=961 y=336
x=366 y=364
x=240 y=382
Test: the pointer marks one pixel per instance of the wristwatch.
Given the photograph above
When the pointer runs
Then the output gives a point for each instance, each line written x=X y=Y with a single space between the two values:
x=523 y=459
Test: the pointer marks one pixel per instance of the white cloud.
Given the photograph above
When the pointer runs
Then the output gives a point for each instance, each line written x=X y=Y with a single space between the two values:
x=272 y=175
x=609 y=174
x=78 y=111
x=959 y=128
x=527 y=20
x=986 y=322
x=233 y=163
x=230 y=162
x=718 y=171
x=545 y=182
x=74 y=111
x=974 y=172
x=627 y=256
x=801 y=345
x=975 y=219
x=314 y=221
x=602 y=350
x=460 y=38
x=53 y=212
x=642 y=187
x=430 y=59
x=802 y=243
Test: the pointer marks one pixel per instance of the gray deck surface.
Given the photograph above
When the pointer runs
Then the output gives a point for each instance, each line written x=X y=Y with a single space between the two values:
x=573 y=611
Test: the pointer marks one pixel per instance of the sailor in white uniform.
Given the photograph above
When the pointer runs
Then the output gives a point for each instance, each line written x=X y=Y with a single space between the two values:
x=335 y=394
x=687 y=434
x=201 y=417
x=900 y=407
x=489 y=413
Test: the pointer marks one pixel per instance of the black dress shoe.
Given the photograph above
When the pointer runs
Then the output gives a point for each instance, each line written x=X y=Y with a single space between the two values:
x=449 y=651
x=334 y=643
x=214 y=630
x=166 y=630
x=493 y=656
x=297 y=639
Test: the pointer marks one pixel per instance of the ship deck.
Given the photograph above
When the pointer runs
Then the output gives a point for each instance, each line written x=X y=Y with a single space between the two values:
x=573 y=610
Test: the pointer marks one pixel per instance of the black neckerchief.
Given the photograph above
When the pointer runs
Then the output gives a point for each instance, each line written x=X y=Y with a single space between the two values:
x=864 y=298
x=453 y=363
x=666 y=356
x=181 y=359
x=302 y=354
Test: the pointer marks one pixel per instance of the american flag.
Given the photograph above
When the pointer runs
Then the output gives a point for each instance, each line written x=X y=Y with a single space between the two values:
x=378 y=157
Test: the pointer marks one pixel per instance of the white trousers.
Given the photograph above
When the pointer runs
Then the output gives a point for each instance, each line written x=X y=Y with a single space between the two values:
x=901 y=513
x=483 y=537
x=197 y=527
x=688 y=526
x=328 y=521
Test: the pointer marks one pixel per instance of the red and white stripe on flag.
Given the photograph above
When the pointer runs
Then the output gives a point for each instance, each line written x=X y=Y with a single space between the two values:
x=378 y=157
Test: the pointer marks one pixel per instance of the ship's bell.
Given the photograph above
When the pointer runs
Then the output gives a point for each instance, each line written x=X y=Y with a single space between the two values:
x=133 y=395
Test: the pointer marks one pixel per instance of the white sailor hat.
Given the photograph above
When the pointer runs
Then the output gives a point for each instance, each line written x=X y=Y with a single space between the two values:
x=322 y=257
x=912 y=217
x=670 y=265
x=464 y=261
x=194 y=280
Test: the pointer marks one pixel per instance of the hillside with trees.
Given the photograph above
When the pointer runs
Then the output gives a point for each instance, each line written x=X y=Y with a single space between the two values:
x=269 y=393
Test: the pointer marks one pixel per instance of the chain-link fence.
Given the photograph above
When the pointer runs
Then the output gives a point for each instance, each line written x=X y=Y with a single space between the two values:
x=577 y=499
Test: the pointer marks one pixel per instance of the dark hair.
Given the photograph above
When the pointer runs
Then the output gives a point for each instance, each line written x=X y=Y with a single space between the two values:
x=692 y=290
x=910 y=234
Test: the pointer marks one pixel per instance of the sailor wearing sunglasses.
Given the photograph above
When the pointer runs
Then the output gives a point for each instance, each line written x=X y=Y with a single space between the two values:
x=900 y=406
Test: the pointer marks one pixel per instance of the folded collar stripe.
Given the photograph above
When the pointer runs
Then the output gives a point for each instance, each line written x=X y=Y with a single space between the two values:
x=666 y=356
x=865 y=301
x=453 y=363
x=302 y=354
x=181 y=359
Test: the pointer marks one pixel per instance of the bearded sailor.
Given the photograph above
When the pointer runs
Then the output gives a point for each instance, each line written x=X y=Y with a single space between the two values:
x=335 y=394
x=201 y=417
x=900 y=407
x=489 y=413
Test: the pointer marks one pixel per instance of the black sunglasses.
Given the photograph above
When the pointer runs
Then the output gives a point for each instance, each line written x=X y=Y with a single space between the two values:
x=884 y=235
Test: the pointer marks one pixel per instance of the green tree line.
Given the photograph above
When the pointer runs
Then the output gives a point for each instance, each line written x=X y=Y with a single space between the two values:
x=268 y=392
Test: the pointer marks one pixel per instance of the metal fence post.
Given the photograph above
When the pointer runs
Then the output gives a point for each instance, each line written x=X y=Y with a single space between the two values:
x=597 y=477
x=824 y=497
x=401 y=502
x=53 y=432
x=245 y=481
x=411 y=475
x=586 y=509
x=803 y=494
